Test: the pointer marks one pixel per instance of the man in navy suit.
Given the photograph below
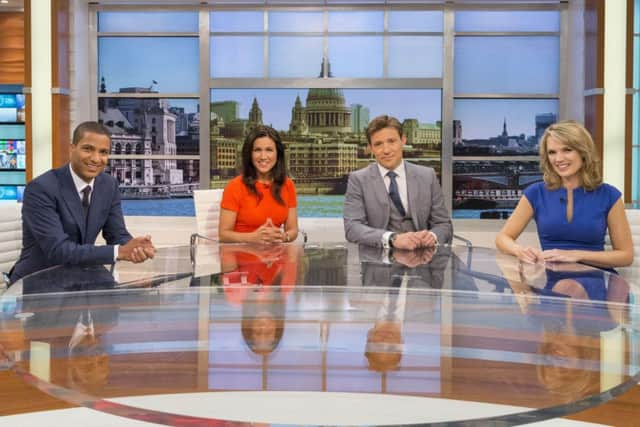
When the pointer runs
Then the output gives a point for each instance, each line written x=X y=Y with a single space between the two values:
x=64 y=209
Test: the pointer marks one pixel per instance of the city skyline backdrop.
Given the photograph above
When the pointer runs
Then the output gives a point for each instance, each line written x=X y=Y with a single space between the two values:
x=276 y=104
x=354 y=45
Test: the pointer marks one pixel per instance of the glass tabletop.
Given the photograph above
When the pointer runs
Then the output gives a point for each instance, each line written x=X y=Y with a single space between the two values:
x=200 y=333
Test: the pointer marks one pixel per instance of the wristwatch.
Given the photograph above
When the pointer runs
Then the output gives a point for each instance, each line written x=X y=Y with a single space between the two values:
x=392 y=238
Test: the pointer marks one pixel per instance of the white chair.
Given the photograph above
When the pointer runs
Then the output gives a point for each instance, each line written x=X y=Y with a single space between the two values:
x=10 y=237
x=207 y=206
x=632 y=272
x=205 y=258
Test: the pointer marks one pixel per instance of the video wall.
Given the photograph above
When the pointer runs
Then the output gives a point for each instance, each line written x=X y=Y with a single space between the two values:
x=12 y=144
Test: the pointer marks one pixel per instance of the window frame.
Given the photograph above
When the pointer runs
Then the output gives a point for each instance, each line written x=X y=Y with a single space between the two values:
x=445 y=83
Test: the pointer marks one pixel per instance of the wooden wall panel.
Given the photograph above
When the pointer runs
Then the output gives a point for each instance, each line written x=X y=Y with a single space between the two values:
x=60 y=43
x=629 y=113
x=594 y=70
x=60 y=130
x=594 y=44
x=593 y=119
x=28 y=101
x=60 y=82
x=12 y=48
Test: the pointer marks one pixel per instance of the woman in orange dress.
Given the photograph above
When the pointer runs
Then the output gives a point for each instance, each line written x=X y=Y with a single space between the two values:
x=259 y=206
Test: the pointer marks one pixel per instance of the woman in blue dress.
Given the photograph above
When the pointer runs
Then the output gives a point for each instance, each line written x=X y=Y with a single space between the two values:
x=572 y=207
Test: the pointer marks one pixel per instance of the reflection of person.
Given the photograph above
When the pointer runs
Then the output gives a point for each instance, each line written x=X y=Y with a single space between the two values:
x=399 y=271
x=73 y=319
x=263 y=312
x=565 y=369
x=87 y=360
x=384 y=346
x=425 y=266
x=572 y=208
x=245 y=266
x=259 y=279
x=569 y=345
x=259 y=206
x=64 y=210
x=393 y=203
x=577 y=281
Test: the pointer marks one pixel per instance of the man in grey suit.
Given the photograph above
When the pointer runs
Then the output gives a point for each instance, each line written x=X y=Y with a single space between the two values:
x=393 y=203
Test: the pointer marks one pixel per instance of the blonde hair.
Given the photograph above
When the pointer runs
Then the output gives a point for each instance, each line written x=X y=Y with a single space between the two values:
x=572 y=382
x=575 y=136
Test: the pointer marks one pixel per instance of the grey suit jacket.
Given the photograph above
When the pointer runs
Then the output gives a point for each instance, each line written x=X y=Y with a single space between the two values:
x=367 y=206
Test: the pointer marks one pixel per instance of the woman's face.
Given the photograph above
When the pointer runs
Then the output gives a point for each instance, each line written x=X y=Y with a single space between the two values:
x=263 y=333
x=564 y=160
x=264 y=156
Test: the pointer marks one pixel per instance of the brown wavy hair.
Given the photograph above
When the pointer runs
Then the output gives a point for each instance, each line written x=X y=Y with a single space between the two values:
x=575 y=136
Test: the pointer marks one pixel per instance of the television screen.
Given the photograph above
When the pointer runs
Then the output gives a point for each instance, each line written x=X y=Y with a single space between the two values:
x=11 y=108
x=12 y=131
x=8 y=115
x=12 y=154
x=12 y=192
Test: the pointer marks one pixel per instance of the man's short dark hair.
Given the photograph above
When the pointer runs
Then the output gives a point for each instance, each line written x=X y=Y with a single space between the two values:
x=382 y=122
x=93 y=127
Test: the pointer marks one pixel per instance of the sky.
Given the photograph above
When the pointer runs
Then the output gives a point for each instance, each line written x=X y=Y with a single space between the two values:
x=507 y=65
x=482 y=65
x=483 y=118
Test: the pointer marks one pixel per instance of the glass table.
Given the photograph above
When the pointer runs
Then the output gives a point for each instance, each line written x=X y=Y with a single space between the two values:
x=329 y=334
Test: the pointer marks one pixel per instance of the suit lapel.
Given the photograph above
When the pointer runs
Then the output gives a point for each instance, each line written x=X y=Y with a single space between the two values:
x=379 y=189
x=413 y=184
x=93 y=223
x=71 y=198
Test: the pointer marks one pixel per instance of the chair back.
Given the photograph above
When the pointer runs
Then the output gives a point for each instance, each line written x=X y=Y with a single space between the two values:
x=10 y=235
x=207 y=207
x=632 y=271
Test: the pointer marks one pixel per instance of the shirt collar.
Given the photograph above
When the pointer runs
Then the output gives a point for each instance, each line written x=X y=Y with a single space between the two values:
x=399 y=170
x=79 y=182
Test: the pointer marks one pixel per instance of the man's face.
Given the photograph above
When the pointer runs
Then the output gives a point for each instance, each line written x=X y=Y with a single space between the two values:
x=386 y=145
x=90 y=155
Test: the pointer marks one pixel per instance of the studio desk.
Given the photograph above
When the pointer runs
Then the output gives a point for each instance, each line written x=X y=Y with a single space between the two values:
x=321 y=334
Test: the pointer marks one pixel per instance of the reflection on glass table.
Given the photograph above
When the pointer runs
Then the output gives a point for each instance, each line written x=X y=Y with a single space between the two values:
x=455 y=334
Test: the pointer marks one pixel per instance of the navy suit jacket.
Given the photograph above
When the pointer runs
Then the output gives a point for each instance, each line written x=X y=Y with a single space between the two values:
x=55 y=230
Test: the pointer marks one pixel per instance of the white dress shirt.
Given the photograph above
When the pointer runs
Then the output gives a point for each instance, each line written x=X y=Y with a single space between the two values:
x=401 y=180
x=395 y=311
x=80 y=185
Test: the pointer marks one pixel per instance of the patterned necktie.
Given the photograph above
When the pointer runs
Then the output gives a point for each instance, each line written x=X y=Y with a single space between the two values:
x=85 y=199
x=395 y=194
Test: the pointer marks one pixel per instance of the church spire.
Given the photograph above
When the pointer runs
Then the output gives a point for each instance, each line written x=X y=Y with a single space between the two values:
x=322 y=73
x=255 y=114
x=504 y=128
x=298 y=124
